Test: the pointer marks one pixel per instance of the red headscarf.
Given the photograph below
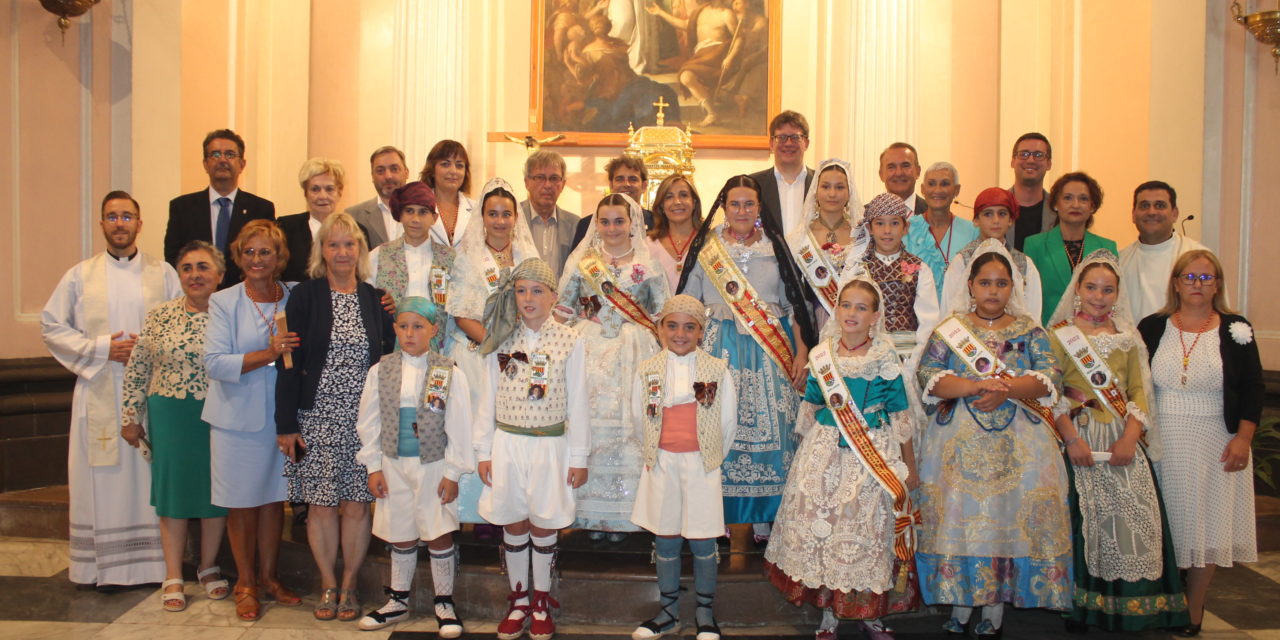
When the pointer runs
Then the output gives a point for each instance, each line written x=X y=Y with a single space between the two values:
x=995 y=197
x=413 y=193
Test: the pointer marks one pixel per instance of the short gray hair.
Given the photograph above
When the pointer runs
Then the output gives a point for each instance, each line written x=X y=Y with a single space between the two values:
x=543 y=158
x=943 y=165
x=219 y=262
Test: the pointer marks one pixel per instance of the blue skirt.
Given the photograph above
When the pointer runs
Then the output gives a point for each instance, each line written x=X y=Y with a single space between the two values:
x=755 y=472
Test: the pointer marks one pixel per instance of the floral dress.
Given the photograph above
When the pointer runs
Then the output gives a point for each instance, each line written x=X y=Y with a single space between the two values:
x=1126 y=573
x=328 y=473
x=614 y=347
x=993 y=494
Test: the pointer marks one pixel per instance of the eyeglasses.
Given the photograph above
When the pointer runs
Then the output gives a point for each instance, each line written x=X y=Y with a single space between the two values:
x=260 y=253
x=1027 y=155
x=119 y=217
x=545 y=179
x=219 y=155
x=1190 y=279
x=789 y=137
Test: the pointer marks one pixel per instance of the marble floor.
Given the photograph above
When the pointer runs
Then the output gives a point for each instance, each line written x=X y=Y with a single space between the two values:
x=37 y=601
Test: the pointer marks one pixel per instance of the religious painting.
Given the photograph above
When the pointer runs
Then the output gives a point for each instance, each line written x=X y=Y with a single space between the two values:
x=600 y=66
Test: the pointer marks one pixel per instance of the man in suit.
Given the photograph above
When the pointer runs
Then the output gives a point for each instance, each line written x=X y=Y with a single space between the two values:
x=218 y=213
x=627 y=175
x=389 y=173
x=551 y=226
x=899 y=171
x=1032 y=159
x=780 y=186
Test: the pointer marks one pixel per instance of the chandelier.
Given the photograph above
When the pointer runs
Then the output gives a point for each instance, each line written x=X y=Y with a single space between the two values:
x=1264 y=25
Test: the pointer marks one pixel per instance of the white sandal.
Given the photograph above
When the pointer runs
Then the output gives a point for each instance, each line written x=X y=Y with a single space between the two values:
x=174 y=601
x=211 y=587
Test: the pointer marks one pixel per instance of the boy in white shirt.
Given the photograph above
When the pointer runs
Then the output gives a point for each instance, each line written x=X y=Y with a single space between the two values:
x=415 y=430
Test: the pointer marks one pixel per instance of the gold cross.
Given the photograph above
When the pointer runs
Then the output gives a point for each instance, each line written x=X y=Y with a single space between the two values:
x=104 y=440
x=661 y=104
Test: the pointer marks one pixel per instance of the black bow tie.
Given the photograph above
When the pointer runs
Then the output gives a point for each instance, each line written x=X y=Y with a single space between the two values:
x=505 y=358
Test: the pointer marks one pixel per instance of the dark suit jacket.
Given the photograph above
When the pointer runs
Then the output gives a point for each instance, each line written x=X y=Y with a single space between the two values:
x=585 y=222
x=297 y=235
x=1242 y=387
x=769 y=191
x=310 y=314
x=189 y=220
x=921 y=206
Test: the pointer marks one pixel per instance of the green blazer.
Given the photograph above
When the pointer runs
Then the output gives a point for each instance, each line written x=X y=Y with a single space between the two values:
x=1049 y=254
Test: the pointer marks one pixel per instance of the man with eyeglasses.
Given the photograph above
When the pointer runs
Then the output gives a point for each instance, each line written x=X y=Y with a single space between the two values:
x=1032 y=159
x=386 y=164
x=552 y=227
x=1145 y=265
x=90 y=325
x=781 y=186
x=627 y=175
x=218 y=213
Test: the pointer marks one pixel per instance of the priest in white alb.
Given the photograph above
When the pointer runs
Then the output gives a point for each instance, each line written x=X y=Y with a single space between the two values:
x=1147 y=264
x=90 y=325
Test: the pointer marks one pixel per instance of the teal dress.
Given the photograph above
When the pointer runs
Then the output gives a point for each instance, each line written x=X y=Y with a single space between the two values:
x=1049 y=253
x=164 y=389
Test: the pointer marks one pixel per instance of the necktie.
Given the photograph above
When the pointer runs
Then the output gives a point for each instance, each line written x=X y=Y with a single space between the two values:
x=224 y=224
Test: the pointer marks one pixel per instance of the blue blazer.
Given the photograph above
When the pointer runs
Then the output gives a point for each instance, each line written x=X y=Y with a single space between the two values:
x=1049 y=254
x=238 y=401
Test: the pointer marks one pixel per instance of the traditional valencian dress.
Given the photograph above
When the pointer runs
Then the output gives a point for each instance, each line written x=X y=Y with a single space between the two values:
x=115 y=536
x=1126 y=572
x=615 y=311
x=993 y=494
x=755 y=471
x=473 y=277
x=834 y=543
x=822 y=259
x=164 y=388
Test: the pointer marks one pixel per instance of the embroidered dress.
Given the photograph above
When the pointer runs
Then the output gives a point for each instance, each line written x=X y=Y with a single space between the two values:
x=832 y=543
x=164 y=390
x=1126 y=575
x=755 y=471
x=614 y=346
x=993 y=494
x=329 y=473
x=1211 y=511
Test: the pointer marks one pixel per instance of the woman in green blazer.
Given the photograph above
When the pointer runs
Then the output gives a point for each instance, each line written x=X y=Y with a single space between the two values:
x=1075 y=197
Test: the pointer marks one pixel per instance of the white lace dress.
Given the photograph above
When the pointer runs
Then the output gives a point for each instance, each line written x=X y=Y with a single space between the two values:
x=1211 y=511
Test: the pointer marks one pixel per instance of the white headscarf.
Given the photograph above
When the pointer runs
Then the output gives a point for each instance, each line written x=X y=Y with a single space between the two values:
x=853 y=212
x=962 y=302
x=472 y=249
x=592 y=241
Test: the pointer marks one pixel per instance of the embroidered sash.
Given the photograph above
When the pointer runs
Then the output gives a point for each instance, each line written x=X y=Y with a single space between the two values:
x=980 y=360
x=853 y=428
x=1093 y=367
x=492 y=273
x=102 y=406
x=737 y=291
x=818 y=270
x=597 y=274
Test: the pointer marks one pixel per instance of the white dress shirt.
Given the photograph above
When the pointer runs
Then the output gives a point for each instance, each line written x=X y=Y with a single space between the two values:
x=791 y=199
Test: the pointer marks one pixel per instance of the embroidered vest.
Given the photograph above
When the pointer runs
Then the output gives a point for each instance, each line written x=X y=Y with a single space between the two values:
x=393 y=277
x=898 y=281
x=706 y=368
x=431 y=435
x=512 y=395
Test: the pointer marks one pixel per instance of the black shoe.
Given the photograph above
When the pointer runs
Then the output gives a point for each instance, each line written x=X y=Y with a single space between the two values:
x=1189 y=631
x=1075 y=626
x=449 y=626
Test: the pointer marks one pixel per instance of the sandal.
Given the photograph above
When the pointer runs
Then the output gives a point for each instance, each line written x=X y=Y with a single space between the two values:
x=174 y=601
x=247 y=605
x=273 y=590
x=217 y=589
x=327 y=608
x=348 y=605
